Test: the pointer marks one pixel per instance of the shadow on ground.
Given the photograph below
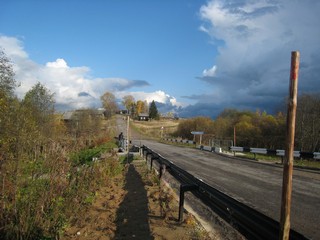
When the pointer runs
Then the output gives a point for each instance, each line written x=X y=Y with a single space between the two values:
x=132 y=215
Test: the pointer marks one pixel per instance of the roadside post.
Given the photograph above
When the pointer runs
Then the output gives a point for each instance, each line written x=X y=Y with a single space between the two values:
x=161 y=132
x=197 y=133
x=288 y=159
x=234 y=136
x=128 y=141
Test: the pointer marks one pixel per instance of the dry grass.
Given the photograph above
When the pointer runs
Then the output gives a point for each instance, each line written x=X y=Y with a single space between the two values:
x=154 y=128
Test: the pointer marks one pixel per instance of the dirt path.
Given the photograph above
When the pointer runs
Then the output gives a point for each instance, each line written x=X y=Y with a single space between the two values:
x=134 y=205
x=132 y=214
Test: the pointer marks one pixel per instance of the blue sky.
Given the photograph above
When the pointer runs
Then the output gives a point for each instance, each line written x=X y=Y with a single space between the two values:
x=193 y=57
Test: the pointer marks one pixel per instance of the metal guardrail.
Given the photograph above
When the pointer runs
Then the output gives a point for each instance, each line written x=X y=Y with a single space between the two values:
x=248 y=221
x=277 y=152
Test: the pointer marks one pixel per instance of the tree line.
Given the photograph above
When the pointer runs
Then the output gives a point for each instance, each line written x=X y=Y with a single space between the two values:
x=133 y=107
x=259 y=129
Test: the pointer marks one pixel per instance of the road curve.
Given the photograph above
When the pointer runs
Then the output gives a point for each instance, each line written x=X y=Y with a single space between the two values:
x=256 y=185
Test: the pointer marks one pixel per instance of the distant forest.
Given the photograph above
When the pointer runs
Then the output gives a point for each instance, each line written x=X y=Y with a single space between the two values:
x=259 y=129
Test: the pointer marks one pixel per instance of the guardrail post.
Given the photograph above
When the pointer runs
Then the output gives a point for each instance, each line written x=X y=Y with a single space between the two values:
x=184 y=188
x=151 y=161
x=162 y=170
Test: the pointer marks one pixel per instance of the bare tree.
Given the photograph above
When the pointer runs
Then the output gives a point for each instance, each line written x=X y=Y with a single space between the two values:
x=308 y=123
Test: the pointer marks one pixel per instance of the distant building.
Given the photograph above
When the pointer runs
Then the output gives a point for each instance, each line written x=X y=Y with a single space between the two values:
x=123 y=112
x=143 y=117
x=71 y=116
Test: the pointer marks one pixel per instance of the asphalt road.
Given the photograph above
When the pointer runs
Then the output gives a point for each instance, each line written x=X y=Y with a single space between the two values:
x=255 y=184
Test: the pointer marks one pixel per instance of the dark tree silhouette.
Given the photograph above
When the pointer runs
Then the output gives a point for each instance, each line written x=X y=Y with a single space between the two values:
x=153 y=111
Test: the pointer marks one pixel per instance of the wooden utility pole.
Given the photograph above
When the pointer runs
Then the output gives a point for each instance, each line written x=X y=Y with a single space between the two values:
x=234 y=136
x=288 y=160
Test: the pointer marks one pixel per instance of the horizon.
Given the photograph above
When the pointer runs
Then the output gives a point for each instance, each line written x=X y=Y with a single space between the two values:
x=194 y=58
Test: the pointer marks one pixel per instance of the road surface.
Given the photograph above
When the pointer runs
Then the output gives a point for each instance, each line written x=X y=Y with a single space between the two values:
x=254 y=184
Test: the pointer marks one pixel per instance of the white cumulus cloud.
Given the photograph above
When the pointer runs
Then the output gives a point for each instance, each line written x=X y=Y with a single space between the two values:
x=59 y=63
x=211 y=72
x=72 y=86
x=157 y=96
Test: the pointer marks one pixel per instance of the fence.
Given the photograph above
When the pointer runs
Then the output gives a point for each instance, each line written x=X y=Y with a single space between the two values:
x=278 y=152
x=249 y=222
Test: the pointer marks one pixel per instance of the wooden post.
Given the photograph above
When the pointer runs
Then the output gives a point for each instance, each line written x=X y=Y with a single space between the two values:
x=288 y=159
x=128 y=138
x=234 y=136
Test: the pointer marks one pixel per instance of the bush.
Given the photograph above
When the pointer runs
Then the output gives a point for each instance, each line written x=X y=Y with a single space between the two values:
x=85 y=156
x=41 y=199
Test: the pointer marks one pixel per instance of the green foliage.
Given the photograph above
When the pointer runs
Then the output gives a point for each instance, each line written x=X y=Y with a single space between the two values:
x=41 y=189
x=85 y=156
x=153 y=111
x=114 y=168
x=7 y=81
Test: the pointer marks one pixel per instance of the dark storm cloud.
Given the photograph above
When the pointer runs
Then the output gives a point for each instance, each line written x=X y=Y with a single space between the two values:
x=132 y=84
x=252 y=68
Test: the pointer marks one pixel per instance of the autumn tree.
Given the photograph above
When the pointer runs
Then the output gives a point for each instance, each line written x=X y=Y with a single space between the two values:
x=246 y=131
x=128 y=101
x=223 y=128
x=8 y=110
x=41 y=187
x=185 y=128
x=39 y=101
x=109 y=103
x=252 y=129
x=140 y=107
x=308 y=123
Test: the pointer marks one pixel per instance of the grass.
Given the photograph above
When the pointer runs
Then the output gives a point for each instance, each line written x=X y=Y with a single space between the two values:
x=124 y=158
x=179 y=144
x=277 y=159
x=154 y=128
x=307 y=163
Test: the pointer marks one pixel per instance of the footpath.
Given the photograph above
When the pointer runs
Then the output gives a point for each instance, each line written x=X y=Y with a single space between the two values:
x=135 y=205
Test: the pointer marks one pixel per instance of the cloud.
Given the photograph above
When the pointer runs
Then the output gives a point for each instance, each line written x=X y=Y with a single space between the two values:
x=72 y=86
x=157 y=96
x=83 y=94
x=209 y=72
x=59 y=63
x=254 y=57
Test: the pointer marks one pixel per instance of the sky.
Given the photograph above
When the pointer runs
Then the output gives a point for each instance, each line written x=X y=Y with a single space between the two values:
x=193 y=57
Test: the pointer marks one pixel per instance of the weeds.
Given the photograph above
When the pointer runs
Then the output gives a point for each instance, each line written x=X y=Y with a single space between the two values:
x=45 y=195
